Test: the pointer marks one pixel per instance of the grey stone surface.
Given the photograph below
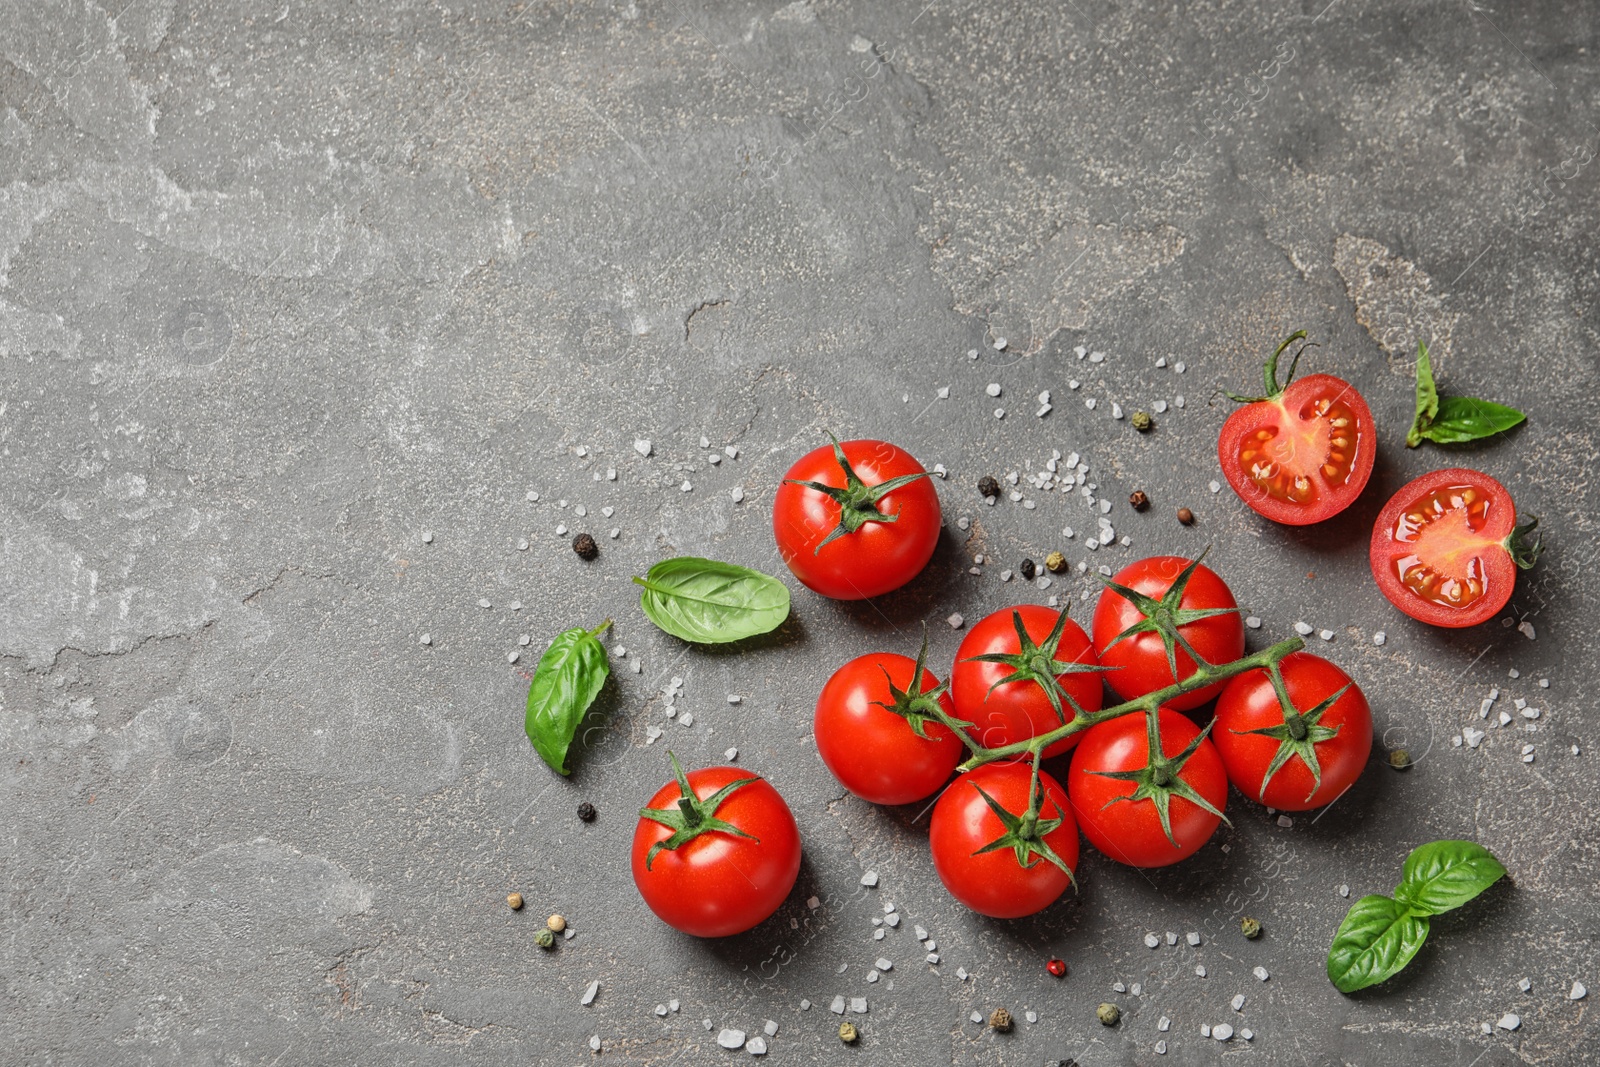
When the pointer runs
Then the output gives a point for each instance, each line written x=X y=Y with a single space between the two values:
x=284 y=286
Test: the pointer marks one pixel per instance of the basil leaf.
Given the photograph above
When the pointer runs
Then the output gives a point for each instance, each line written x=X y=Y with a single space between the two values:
x=1427 y=398
x=710 y=602
x=569 y=676
x=1378 y=937
x=1446 y=874
x=1463 y=418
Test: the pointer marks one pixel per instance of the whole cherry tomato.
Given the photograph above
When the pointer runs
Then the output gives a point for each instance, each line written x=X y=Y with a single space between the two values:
x=1018 y=674
x=1152 y=614
x=990 y=853
x=1302 y=452
x=856 y=520
x=1270 y=758
x=715 y=852
x=1141 y=811
x=1446 y=548
x=877 y=731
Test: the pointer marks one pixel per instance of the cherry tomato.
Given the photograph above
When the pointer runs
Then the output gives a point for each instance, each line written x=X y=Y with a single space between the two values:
x=856 y=520
x=1121 y=817
x=876 y=731
x=1304 y=451
x=1006 y=711
x=1174 y=597
x=1251 y=734
x=1018 y=877
x=727 y=863
x=1446 y=548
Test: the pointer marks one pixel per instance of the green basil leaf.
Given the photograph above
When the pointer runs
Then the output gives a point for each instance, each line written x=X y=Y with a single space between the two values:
x=1378 y=937
x=1463 y=418
x=569 y=676
x=1427 y=398
x=1446 y=874
x=710 y=602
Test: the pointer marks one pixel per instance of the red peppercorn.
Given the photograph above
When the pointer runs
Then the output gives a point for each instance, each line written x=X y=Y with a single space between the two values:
x=1057 y=968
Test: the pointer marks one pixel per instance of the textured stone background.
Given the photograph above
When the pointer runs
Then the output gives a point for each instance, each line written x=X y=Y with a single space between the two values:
x=285 y=285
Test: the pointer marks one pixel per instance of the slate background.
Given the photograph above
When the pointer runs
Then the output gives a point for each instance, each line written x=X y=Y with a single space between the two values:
x=282 y=287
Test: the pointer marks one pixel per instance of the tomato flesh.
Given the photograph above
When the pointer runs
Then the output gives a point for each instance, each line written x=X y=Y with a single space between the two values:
x=1303 y=456
x=1438 y=548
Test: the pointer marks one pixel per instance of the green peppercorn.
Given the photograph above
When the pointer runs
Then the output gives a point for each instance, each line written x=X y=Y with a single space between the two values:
x=1000 y=1021
x=545 y=938
x=1142 y=421
x=1400 y=759
x=1108 y=1014
x=1250 y=928
x=848 y=1033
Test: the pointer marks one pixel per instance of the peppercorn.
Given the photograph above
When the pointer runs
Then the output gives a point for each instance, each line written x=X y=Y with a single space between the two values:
x=1057 y=968
x=1142 y=421
x=515 y=901
x=1250 y=928
x=1108 y=1014
x=848 y=1033
x=1000 y=1021
x=1055 y=562
x=556 y=924
x=1027 y=569
x=1186 y=516
x=1400 y=759
x=585 y=547
x=545 y=939
x=1139 y=499
x=586 y=811
x=988 y=487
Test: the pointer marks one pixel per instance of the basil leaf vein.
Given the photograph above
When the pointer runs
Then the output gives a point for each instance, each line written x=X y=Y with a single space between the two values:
x=710 y=602
x=570 y=675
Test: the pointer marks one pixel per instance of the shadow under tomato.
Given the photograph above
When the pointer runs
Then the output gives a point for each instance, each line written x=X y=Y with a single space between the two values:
x=765 y=950
x=924 y=596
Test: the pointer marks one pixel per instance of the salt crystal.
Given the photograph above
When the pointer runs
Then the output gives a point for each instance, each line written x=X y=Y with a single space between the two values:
x=594 y=1042
x=976 y=1017
x=993 y=389
x=869 y=879
x=1160 y=406
x=589 y=993
x=1137 y=990
x=1200 y=970
x=1261 y=974
x=999 y=344
x=1526 y=630
x=1192 y=937
x=1031 y=1016
x=1326 y=635
x=805 y=1005
x=1285 y=821
x=858 y=1005
x=1172 y=938
x=1544 y=683
x=944 y=392
x=1116 y=410
x=1247 y=1034
x=770 y=1029
x=1525 y=985
x=731 y=451
x=661 y=1009
x=1379 y=638
x=961 y=973
x=737 y=494
x=955 y=620
x=1089 y=403
x=1179 y=367
x=756 y=1046
x=1205 y=1029
x=921 y=932
x=1222 y=1032
x=1118 y=987
x=1215 y=487
x=425 y=639
x=1253 y=621
x=731 y=1038
x=999 y=413
x=1161 y=1048
x=1164 y=1024
x=642 y=446
x=611 y=474
x=1509 y=1021
x=1577 y=992
x=1238 y=1002
x=837 y=1007
x=1303 y=628
x=1151 y=941
x=1513 y=673
x=730 y=755
x=532 y=496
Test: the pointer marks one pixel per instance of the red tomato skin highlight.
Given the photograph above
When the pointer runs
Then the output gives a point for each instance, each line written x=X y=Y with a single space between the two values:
x=872 y=751
x=880 y=556
x=1249 y=703
x=718 y=884
x=1141 y=660
x=1266 y=413
x=1130 y=831
x=994 y=884
x=1017 y=711
x=1500 y=573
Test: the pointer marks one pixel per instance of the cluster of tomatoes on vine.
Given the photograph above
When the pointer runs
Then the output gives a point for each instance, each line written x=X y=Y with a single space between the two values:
x=717 y=850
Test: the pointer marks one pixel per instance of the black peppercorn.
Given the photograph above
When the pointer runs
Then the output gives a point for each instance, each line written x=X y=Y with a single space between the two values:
x=1027 y=569
x=988 y=487
x=586 y=811
x=585 y=547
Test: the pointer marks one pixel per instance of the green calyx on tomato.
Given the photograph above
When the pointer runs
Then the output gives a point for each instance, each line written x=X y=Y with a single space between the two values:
x=1037 y=663
x=1299 y=733
x=1274 y=390
x=1523 y=546
x=858 y=502
x=1159 y=780
x=1025 y=833
x=917 y=706
x=692 y=816
x=1166 y=617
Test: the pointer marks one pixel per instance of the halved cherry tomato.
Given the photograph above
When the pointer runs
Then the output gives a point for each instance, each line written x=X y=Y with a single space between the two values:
x=995 y=861
x=1302 y=452
x=1139 y=636
x=716 y=851
x=876 y=730
x=1017 y=679
x=1118 y=793
x=856 y=520
x=1275 y=762
x=1446 y=548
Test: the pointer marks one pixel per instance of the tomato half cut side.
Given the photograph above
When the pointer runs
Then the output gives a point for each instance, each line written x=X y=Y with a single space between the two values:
x=1446 y=548
x=1301 y=454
